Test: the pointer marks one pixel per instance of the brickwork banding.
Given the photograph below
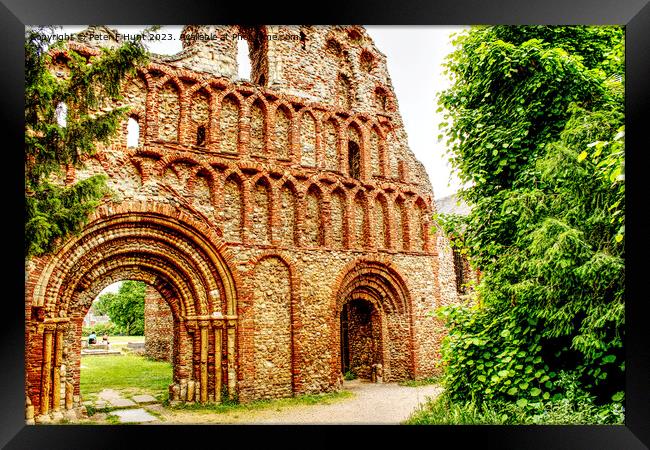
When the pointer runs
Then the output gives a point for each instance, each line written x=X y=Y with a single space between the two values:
x=282 y=224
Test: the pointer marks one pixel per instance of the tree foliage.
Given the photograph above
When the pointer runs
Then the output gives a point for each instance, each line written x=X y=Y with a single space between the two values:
x=53 y=210
x=535 y=127
x=125 y=308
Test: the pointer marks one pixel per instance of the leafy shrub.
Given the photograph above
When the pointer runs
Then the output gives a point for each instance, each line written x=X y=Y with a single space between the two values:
x=349 y=375
x=443 y=411
x=579 y=411
x=101 y=328
x=125 y=307
x=535 y=127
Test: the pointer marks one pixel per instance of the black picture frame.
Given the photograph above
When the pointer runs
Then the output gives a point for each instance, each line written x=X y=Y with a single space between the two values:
x=634 y=14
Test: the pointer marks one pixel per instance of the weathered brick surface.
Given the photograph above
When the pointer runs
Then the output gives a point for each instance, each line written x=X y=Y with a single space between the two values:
x=302 y=196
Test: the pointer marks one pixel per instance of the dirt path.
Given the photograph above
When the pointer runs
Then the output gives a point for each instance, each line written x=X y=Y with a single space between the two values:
x=386 y=403
x=373 y=403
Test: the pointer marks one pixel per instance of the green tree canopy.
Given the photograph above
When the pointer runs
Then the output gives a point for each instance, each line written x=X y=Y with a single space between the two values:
x=125 y=308
x=52 y=209
x=535 y=127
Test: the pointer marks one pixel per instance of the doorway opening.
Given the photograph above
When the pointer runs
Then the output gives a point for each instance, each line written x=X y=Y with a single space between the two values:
x=361 y=348
x=126 y=347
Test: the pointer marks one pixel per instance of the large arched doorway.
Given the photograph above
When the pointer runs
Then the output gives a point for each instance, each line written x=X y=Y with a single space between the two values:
x=162 y=247
x=374 y=323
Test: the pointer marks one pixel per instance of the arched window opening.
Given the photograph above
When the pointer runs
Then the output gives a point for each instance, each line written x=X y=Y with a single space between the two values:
x=367 y=61
x=333 y=47
x=132 y=133
x=243 y=59
x=252 y=54
x=200 y=116
x=354 y=160
x=61 y=113
x=303 y=40
x=354 y=36
x=200 y=135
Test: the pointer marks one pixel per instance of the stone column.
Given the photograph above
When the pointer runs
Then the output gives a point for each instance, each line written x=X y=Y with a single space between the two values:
x=56 y=370
x=203 y=394
x=231 y=358
x=46 y=377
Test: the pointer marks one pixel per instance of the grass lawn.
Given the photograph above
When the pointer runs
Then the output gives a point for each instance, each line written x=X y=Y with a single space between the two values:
x=226 y=406
x=123 y=339
x=128 y=373
x=424 y=382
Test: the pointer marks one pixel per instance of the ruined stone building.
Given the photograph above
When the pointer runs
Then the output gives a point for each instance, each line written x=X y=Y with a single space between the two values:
x=282 y=223
x=465 y=276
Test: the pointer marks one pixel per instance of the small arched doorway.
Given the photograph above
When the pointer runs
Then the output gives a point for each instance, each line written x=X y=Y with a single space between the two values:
x=361 y=339
x=373 y=324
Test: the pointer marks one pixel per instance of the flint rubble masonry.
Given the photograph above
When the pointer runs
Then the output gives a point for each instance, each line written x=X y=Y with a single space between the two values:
x=299 y=196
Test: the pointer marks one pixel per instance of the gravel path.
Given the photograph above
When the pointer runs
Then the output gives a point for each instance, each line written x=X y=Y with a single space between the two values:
x=373 y=403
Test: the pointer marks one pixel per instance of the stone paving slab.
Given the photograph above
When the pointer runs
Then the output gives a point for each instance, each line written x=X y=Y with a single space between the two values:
x=100 y=352
x=108 y=394
x=134 y=416
x=144 y=399
x=121 y=402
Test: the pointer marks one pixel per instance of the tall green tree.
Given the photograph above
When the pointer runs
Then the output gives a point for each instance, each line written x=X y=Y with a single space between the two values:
x=125 y=308
x=53 y=210
x=535 y=128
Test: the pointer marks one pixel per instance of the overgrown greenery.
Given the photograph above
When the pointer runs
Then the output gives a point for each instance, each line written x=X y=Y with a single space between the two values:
x=422 y=382
x=535 y=128
x=125 y=308
x=101 y=329
x=54 y=210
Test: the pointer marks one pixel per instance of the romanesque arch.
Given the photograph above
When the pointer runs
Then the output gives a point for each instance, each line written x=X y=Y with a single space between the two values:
x=160 y=245
x=373 y=317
